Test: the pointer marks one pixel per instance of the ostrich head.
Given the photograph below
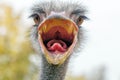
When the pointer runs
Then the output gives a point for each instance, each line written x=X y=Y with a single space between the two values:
x=57 y=30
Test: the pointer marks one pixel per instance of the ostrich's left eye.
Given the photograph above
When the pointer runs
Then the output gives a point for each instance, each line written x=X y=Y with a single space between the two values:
x=80 y=21
x=36 y=19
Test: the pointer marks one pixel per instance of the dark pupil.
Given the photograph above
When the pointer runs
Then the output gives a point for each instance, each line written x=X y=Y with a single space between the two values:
x=37 y=18
x=79 y=19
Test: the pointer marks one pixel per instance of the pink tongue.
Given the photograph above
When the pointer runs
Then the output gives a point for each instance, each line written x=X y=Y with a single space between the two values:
x=56 y=45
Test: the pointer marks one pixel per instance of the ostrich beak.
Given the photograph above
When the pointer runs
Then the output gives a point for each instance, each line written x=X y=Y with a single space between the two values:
x=57 y=38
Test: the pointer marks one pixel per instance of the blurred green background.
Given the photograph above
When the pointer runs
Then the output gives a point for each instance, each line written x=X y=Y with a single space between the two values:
x=15 y=48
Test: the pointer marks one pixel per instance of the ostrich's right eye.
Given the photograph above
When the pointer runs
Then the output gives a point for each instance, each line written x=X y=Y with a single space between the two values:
x=36 y=19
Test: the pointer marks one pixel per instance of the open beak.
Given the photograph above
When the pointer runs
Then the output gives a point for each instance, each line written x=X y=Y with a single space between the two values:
x=57 y=38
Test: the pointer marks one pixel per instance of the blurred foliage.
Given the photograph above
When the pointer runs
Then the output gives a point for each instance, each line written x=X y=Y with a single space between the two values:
x=14 y=48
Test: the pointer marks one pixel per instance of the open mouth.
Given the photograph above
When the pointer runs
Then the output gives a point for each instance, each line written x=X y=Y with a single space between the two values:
x=57 y=38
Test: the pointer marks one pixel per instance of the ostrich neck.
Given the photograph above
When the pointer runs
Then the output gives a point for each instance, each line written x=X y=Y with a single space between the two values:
x=53 y=72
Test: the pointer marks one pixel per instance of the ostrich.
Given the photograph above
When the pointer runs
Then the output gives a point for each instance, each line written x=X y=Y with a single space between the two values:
x=57 y=33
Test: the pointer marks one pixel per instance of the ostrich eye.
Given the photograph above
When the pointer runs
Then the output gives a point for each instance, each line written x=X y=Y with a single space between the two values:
x=80 y=21
x=36 y=19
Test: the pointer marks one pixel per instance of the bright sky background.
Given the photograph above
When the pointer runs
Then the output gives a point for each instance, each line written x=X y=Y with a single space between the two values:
x=103 y=36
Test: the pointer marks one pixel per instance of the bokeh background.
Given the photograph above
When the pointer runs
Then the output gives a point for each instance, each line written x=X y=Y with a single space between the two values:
x=99 y=59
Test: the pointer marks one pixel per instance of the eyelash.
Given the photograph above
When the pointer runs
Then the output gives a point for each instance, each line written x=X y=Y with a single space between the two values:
x=84 y=17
